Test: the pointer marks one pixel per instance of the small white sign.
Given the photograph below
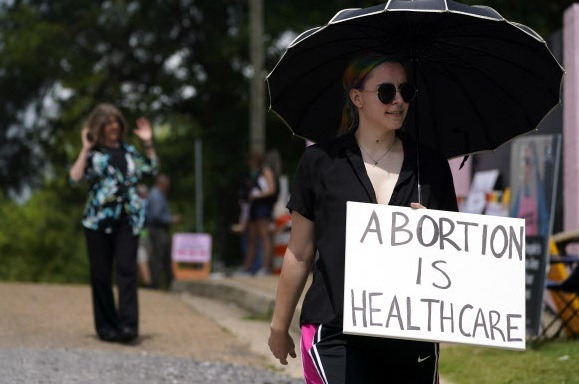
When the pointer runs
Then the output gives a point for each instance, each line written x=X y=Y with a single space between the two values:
x=191 y=247
x=482 y=183
x=434 y=275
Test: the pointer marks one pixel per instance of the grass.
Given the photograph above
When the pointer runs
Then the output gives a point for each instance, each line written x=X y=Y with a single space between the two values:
x=267 y=316
x=553 y=362
x=549 y=362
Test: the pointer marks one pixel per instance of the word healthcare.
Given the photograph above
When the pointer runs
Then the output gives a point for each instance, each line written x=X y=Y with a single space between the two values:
x=435 y=276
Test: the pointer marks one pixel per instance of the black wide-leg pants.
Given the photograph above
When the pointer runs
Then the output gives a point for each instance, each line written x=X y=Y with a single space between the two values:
x=160 y=259
x=119 y=246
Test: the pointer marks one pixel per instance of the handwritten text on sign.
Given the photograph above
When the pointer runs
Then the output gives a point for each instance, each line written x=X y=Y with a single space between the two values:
x=434 y=275
x=191 y=247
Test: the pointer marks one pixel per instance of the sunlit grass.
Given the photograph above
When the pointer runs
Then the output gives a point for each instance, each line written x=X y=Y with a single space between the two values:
x=554 y=362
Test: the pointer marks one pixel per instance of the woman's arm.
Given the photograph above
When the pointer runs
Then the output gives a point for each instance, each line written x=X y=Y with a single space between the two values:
x=297 y=264
x=77 y=170
x=270 y=190
x=145 y=132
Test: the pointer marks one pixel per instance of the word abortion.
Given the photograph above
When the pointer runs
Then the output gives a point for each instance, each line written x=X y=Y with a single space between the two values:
x=459 y=235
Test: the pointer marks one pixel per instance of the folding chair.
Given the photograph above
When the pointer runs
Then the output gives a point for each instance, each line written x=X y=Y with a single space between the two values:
x=563 y=284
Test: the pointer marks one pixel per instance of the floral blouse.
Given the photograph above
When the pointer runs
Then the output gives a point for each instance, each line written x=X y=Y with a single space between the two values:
x=113 y=192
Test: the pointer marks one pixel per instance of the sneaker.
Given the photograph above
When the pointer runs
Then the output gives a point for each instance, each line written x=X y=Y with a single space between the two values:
x=242 y=274
x=263 y=272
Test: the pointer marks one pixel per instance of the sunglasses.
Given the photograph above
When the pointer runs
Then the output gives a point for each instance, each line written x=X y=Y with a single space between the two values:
x=387 y=92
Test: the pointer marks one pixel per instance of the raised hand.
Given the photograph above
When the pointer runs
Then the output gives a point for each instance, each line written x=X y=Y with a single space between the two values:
x=87 y=139
x=144 y=130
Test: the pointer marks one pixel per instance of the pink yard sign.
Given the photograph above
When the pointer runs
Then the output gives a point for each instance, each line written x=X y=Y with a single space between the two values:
x=191 y=247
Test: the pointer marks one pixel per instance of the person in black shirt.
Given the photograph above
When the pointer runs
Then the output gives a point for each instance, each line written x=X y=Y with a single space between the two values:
x=372 y=162
x=261 y=197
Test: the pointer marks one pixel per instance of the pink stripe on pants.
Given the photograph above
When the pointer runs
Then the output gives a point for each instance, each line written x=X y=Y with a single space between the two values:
x=311 y=374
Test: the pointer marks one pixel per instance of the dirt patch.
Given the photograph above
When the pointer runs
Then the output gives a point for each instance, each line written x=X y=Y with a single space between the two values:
x=60 y=316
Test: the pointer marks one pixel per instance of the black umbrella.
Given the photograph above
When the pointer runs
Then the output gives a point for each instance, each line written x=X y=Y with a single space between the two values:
x=482 y=80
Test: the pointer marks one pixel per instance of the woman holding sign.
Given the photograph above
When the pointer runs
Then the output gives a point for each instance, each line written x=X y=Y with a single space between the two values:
x=372 y=162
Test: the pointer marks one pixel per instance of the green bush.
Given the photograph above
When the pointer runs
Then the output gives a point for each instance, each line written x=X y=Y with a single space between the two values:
x=42 y=240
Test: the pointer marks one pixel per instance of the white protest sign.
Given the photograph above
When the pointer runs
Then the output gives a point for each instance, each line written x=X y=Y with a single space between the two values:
x=191 y=247
x=434 y=275
x=482 y=182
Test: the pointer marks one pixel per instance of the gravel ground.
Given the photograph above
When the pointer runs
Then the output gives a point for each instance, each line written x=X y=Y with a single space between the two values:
x=76 y=366
x=47 y=336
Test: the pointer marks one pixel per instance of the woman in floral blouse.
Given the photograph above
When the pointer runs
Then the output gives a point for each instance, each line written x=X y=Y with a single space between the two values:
x=113 y=215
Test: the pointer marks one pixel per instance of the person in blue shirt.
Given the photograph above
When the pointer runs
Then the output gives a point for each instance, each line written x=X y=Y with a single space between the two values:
x=113 y=215
x=160 y=219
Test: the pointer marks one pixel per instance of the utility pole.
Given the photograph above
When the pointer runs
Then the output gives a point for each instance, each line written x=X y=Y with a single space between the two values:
x=199 y=186
x=257 y=85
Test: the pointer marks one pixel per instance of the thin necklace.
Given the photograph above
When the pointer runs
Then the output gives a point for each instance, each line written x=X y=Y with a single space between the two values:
x=376 y=161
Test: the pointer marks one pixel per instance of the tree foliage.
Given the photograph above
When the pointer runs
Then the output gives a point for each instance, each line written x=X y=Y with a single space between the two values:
x=41 y=240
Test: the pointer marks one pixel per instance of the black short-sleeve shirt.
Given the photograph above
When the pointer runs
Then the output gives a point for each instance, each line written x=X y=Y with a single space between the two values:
x=330 y=174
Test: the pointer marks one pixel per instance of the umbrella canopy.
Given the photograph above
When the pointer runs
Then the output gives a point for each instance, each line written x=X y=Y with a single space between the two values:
x=482 y=80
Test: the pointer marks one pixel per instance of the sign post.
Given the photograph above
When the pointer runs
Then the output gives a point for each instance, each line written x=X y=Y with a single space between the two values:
x=434 y=276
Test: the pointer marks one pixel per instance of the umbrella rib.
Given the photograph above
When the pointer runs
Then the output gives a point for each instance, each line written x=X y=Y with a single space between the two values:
x=491 y=79
x=329 y=84
x=311 y=104
x=474 y=47
x=474 y=108
x=499 y=85
x=450 y=41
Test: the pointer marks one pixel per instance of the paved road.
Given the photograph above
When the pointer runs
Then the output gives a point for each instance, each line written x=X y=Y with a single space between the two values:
x=46 y=336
